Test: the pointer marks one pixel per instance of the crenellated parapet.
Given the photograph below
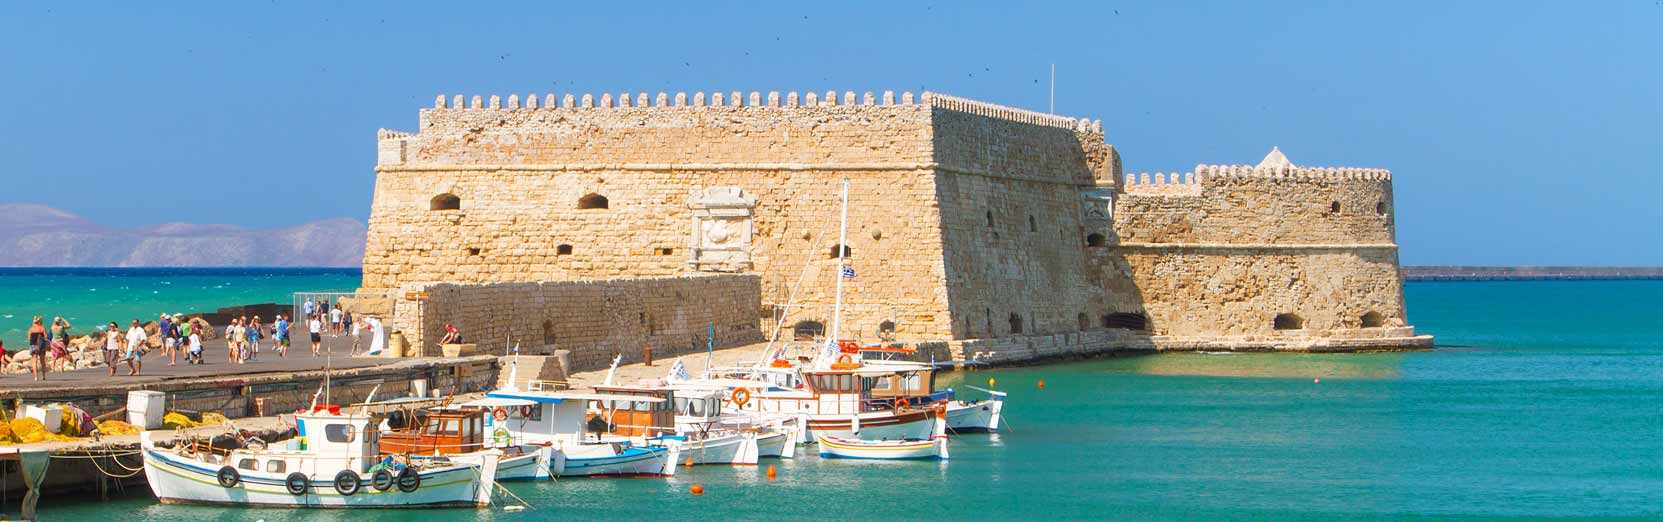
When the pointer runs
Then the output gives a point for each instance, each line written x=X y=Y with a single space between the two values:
x=680 y=99
x=1163 y=184
x=991 y=110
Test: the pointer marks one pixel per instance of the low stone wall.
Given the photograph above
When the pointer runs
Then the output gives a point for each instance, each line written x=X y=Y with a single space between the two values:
x=1031 y=348
x=592 y=319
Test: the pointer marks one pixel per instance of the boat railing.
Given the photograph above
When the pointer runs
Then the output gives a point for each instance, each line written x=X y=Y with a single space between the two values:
x=547 y=385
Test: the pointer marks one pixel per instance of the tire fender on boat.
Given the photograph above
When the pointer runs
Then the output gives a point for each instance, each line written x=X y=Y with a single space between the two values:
x=382 y=480
x=409 y=481
x=347 y=482
x=228 y=477
x=297 y=483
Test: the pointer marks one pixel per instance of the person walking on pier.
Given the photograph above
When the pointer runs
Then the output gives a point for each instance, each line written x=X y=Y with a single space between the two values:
x=58 y=340
x=315 y=326
x=280 y=335
x=233 y=341
x=335 y=321
x=37 y=348
x=194 y=356
x=135 y=348
x=357 y=329
x=112 y=345
x=254 y=335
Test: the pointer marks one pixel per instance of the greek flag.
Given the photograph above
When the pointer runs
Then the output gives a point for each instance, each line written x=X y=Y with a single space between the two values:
x=848 y=272
x=678 y=372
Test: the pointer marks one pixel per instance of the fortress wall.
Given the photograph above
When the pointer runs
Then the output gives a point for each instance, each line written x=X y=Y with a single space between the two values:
x=592 y=319
x=1222 y=250
x=518 y=216
x=1009 y=190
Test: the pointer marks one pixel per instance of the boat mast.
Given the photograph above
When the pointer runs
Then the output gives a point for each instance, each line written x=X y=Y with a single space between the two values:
x=842 y=242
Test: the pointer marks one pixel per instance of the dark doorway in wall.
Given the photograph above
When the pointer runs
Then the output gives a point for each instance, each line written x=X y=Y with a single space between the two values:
x=1016 y=323
x=593 y=201
x=446 y=201
x=1095 y=240
x=1288 y=322
x=1373 y=320
x=807 y=330
x=1126 y=321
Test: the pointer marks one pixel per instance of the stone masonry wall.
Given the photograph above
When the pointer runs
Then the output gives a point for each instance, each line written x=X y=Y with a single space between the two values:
x=1221 y=251
x=592 y=319
x=520 y=173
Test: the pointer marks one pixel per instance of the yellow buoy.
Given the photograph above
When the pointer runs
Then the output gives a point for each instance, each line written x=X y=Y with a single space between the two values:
x=991 y=383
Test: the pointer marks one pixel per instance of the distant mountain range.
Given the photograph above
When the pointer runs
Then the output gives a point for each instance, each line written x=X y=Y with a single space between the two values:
x=38 y=235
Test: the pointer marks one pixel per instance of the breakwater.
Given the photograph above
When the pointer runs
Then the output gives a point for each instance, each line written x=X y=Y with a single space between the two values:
x=1528 y=273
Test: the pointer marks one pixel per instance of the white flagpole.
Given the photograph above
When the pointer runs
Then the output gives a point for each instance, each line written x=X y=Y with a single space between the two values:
x=842 y=242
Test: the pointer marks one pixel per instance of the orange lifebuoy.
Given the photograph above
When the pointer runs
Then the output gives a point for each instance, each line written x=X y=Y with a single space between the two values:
x=741 y=396
x=780 y=363
x=844 y=359
x=500 y=413
x=844 y=362
x=900 y=403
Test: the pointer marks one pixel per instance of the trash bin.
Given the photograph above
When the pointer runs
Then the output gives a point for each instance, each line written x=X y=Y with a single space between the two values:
x=145 y=408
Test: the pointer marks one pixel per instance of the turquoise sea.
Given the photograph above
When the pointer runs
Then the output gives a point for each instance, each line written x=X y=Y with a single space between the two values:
x=1544 y=400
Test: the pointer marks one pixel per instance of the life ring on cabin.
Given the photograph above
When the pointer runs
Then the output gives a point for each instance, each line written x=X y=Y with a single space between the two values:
x=845 y=359
x=741 y=396
x=502 y=437
x=409 y=481
x=347 y=482
x=382 y=480
x=527 y=410
x=844 y=362
x=900 y=403
x=228 y=477
x=780 y=363
x=500 y=414
x=297 y=483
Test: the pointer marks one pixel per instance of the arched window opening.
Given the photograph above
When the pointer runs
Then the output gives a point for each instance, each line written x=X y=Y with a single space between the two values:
x=1380 y=208
x=1334 y=208
x=1288 y=322
x=1095 y=240
x=1126 y=321
x=832 y=253
x=1033 y=226
x=446 y=201
x=473 y=251
x=563 y=250
x=592 y=201
x=548 y=332
x=1085 y=322
x=807 y=330
x=988 y=313
x=1016 y=323
x=990 y=219
x=886 y=330
x=663 y=251
x=1373 y=320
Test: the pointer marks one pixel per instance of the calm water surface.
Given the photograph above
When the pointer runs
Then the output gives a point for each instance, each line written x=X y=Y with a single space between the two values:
x=1546 y=401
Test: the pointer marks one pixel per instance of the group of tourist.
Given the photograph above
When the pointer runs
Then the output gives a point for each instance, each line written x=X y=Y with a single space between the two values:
x=49 y=347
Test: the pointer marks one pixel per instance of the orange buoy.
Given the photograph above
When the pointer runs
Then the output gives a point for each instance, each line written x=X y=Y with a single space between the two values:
x=688 y=462
x=697 y=489
x=771 y=472
x=1042 y=384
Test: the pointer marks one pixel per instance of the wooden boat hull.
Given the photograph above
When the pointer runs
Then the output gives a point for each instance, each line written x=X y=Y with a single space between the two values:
x=177 y=480
x=914 y=424
x=599 y=460
x=968 y=416
x=849 y=448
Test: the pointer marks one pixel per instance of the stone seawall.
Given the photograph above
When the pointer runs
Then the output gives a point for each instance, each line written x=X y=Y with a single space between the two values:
x=592 y=319
x=1017 y=350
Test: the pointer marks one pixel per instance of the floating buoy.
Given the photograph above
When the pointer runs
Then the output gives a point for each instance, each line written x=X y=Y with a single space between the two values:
x=688 y=462
x=1317 y=380
x=771 y=472
x=991 y=383
x=697 y=489
x=1042 y=384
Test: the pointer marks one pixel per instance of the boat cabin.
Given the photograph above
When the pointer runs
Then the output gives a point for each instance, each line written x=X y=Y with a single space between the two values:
x=439 y=432
x=557 y=417
x=630 y=416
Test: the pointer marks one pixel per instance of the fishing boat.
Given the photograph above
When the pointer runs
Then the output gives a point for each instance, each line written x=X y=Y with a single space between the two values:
x=935 y=447
x=458 y=434
x=702 y=432
x=562 y=420
x=333 y=462
x=972 y=416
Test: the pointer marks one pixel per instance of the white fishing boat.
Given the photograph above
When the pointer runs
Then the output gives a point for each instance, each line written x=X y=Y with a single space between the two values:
x=458 y=433
x=562 y=420
x=934 y=447
x=334 y=462
x=707 y=435
x=971 y=416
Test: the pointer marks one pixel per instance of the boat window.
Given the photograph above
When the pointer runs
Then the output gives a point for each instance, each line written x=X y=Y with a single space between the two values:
x=337 y=433
x=248 y=464
x=275 y=466
x=536 y=413
x=846 y=383
x=450 y=427
x=915 y=383
x=878 y=383
x=712 y=406
x=644 y=406
x=695 y=408
x=682 y=407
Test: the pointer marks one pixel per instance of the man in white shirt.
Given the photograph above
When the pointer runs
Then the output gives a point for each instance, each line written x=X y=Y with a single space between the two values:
x=316 y=327
x=335 y=320
x=135 y=347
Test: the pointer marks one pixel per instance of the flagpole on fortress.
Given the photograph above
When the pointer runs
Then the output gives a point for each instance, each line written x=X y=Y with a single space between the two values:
x=842 y=240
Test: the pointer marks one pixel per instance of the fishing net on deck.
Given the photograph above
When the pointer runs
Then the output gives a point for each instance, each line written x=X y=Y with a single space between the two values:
x=27 y=430
x=213 y=419
x=117 y=427
x=175 y=421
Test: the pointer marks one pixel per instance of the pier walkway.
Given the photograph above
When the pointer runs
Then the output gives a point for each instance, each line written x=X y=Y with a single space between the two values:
x=214 y=353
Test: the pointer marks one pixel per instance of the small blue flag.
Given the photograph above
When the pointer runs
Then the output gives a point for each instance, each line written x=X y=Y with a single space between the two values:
x=848 y=272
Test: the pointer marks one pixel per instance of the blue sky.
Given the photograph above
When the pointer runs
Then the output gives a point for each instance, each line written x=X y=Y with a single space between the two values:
x=1518 y=132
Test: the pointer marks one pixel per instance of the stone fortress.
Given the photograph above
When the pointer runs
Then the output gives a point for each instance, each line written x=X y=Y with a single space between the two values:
x=601 y=223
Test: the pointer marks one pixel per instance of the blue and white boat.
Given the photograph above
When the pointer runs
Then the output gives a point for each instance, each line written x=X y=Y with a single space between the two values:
x=561 y=419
